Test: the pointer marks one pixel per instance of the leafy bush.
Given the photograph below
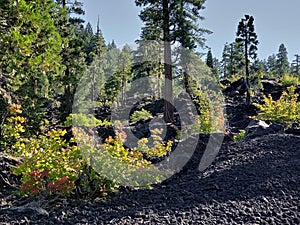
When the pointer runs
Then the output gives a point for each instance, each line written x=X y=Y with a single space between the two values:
x=289 y=80
x=210 y=118
x=80 y=119
x=50 y=164
x=159 y=148
x=240 y=136
x=12 y=127
x=139 y=115
x=116 y=162
x=285 y=110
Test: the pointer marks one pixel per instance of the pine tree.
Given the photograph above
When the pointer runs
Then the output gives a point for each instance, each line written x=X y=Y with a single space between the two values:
x=73 y=56
x=209 y=59
x=89 y=43
x=171 y=21
x=31 y=46
x=282 y=63
x=147 y=62
x=247 y=38
x=232 y=60
x=271 y=64
x=217 y=69
x=296 y=65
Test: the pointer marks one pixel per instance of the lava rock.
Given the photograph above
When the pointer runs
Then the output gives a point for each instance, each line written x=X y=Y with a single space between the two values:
x=271 y=87
x=293 y=129
x=236 y=88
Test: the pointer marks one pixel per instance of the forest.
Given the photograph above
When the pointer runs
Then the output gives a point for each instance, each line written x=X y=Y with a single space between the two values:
x=83 y=118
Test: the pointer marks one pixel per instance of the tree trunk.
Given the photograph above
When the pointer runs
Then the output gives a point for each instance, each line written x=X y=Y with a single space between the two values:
x=35 y=87
x=168 y=103
x=247 y=73
x=68 y=96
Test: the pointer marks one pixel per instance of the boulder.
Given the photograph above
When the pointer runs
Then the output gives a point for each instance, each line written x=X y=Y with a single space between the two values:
x=293 y=129
x=225 y=82
x=271 y=87
x=236 y=88
x=258 y=128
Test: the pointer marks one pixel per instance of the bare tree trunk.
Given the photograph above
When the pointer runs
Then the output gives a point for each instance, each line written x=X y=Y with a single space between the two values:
x=168 y=103
x=35 y=87
x=247 y=73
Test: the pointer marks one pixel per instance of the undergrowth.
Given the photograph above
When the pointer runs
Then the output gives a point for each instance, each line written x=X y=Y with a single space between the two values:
x=286 y=110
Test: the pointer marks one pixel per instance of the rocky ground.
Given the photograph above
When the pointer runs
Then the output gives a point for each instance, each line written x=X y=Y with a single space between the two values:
x=251 y=182
x=254 y=181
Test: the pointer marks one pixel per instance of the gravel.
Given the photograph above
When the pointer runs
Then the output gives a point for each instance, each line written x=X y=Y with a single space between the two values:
x=251 y=182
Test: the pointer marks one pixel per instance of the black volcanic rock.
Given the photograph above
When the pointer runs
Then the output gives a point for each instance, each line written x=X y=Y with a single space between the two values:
x=250 y=182
x=236 y=88
x=271 y=87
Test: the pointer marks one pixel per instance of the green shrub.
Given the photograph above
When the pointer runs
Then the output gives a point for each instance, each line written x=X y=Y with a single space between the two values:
x=210 y=118
x=117 y=163
x=139 y=115
x=289 y=80
x=285 y=110
x=50 y=164
x=240 y=136
x=89 y=120
x=12 y=128
x=159 y=148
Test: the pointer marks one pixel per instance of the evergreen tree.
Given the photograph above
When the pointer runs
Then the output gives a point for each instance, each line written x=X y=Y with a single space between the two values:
x=282 y=63
x=232 y=60
x=225 y=61
x=89 y=43
x=30 y=47
x=120 y=73
x=171 y=21
x=209 y=59
x=296 y=65
x=217 y=69
x=247 y=38
x=124 y=70
x=147 y=62
x=73 y=56
x=111 y=45
x=271 y=64
x=27 y=60
x=100 y=46
x=259 y=66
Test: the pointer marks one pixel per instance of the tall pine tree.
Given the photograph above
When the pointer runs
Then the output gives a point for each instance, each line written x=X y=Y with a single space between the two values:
x=171 y=21
x=282 y=62
x=247 y=38
x=73 y=56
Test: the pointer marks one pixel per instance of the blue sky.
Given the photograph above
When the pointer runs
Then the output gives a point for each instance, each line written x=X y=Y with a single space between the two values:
x=276 y=22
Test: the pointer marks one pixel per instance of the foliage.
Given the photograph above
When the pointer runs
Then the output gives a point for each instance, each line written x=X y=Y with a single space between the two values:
x=80 y=119
x=139 y=115
x=12 y=127
x=117 y=163
x=282 y=63
x=159 y=18
x=289 y=80
x=50 y=164
x=247 y=38
x=159 y=148
x=182 y=14
x=232 y=60
x=295 y=65
x=209 y=59
x=285 y=110
x=240 y=136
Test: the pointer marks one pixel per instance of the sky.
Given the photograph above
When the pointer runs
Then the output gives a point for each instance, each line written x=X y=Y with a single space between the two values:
x=275 y=22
